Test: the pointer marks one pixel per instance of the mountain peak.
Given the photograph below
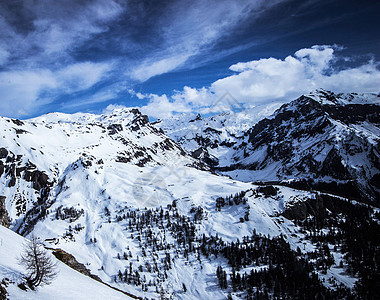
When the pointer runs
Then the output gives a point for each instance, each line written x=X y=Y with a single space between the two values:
x=326 y=97
x=117 y=115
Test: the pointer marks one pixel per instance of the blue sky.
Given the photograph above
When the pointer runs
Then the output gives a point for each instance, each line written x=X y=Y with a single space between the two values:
x=181 y=56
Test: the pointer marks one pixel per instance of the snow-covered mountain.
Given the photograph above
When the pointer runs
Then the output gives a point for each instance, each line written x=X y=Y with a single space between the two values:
x=325 y=140
x=37 y=154
x=154 y=220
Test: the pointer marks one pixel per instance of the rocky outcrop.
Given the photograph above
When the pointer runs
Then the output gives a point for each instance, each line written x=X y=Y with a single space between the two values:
x=39 y=179
x=4 y=218
x=3 y=153
x=71 y=261
x=317 y=138
x=301 y=210
x=3 y=291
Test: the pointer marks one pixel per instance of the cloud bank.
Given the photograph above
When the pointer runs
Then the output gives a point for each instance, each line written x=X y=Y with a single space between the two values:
x=52 y=49
x=25 y=91
x=36 y=45
x=74 y=55
x=272 y=80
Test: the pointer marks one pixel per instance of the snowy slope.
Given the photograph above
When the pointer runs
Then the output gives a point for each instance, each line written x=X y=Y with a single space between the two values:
x=322 y=136
x=69 y=284
x=211 y=138
x=114 y=191
x=35 y=154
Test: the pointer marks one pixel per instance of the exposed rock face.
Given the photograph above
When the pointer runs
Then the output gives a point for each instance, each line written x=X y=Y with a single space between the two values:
x=203 y=155
x=30 y=168
x=4 y=218
x=325 y=137
x=301 y=210
x=318 y=139
x=3 y=291
x=39 y=179
x=332 y=166
x=71 y=261
x=268 y=190
x=3 y=153
x=114 y=128
x=15 y=171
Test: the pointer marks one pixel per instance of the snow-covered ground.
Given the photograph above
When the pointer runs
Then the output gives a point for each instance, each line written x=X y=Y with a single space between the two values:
x=109 y=172
x=69 y=283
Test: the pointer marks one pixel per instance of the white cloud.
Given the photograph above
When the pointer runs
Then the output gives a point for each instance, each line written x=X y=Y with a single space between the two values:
x=272 y=80
x=161 y=107
x=110 y=108
x=60 y=26
x=24 y=92
x=81 y=76
x=99 y=97
x=152 y=68
x=52 y=29
x=4 y=55
x=188 y=28
x=20 y=90
x=317 y=57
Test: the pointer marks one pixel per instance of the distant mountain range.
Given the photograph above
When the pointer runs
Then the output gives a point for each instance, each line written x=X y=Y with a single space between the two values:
x=197 y=208
x=322 y=140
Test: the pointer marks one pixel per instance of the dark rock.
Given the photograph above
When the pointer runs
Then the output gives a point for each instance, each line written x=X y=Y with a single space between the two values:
x=2 y=168
x=197 y=118
x=139 y=122
x=123 y=159
x=19 y=171
x=12 y=181
x=40 y=180
x=205 y=157
x=297 y=211
x=300 y=210
x=197 y=153
x=3 y=291
x=144 y=119
x=86 y=163
x=3 y=153
x=268 y=190
x=354 y=113
x=227 y=144
x=71 y=261
x=20 y=131
x=212 y=130
x=114 y=128
x=17 y=122
x=375 y=180
x=332 y=166
x=135 y=111
x=4 y=218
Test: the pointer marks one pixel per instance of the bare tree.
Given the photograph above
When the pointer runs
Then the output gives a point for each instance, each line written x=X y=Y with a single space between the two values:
x=41 y=269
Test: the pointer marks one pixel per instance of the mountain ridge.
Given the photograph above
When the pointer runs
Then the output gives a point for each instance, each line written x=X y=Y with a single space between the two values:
x=149 y=215
x=274 y=145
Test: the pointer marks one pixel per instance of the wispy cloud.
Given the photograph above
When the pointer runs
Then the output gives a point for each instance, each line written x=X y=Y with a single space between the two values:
x=77 y=52
x=24 y=92
x=273 y=80
x=48 y=30
x=36 y=53
x=154 y=67
x=190 y=27
x=81 y=76
x=98 y=97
